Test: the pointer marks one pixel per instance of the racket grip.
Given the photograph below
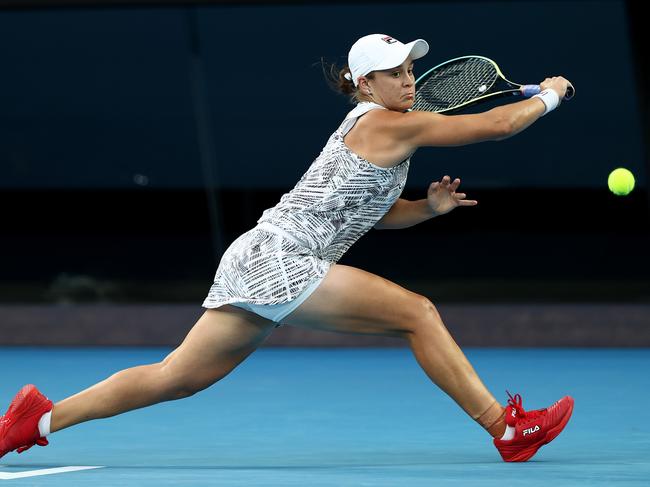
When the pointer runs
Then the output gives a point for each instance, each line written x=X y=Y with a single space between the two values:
x=531 y=90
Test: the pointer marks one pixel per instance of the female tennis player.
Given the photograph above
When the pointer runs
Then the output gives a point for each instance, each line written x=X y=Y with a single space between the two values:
x=284 y=270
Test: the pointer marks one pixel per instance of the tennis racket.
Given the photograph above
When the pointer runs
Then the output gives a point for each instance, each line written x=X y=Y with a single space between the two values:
x=465 y=81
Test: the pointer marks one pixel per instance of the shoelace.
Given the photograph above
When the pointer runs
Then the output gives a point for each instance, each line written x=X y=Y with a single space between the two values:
x=42 y=441
x=516 y=402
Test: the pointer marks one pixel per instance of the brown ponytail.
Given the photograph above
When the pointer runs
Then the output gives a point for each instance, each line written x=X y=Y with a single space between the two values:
x=337 y=81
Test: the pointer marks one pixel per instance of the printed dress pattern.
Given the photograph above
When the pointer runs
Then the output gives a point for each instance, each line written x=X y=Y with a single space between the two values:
x=340 y=198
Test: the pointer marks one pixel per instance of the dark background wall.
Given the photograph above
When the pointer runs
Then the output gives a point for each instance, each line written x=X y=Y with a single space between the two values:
x=136 y=142
x=102 y=98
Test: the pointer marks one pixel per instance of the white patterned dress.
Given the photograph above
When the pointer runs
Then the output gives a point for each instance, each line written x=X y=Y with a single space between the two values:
x=338 y=199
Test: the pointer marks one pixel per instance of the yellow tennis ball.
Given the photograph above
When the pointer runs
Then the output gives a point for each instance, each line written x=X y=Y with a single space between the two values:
x=620 y=181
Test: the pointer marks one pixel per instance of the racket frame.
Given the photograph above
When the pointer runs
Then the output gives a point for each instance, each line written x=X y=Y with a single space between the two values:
x=518 y=89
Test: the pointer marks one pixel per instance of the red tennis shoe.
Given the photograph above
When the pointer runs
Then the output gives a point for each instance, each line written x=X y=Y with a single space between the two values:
x=19 y=425
x=533 y=429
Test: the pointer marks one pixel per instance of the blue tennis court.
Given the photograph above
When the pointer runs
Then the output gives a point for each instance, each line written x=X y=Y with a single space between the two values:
x=301 y=160
x=340 y=417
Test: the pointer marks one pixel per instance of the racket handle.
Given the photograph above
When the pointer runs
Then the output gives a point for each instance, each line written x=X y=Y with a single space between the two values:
x=531 y=90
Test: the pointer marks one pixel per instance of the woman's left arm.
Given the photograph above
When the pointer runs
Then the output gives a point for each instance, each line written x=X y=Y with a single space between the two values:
x=405 y=213
x=441 y=198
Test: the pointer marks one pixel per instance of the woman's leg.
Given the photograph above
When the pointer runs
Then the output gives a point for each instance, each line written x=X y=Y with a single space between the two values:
x=354 y=301
x=220 y=340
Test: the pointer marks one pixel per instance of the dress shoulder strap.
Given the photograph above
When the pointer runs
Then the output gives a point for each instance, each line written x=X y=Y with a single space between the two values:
x=352 y=117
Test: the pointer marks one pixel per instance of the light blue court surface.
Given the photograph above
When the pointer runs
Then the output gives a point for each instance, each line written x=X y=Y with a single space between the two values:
x=296 y=417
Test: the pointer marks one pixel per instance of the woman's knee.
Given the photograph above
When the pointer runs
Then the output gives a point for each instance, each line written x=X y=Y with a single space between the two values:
x=182 y=384
x=185 y=390
x=425 y=315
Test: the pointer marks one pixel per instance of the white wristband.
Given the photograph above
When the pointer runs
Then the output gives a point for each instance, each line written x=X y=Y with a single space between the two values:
x=550 y=98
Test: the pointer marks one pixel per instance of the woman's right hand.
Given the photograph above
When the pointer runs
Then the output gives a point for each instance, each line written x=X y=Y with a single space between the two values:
x=557 y=83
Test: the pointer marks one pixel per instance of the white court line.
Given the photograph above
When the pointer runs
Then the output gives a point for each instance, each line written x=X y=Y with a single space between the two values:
x=42 y=471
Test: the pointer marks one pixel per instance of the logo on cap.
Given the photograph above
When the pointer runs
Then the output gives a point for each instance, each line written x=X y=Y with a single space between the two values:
x=388 y=40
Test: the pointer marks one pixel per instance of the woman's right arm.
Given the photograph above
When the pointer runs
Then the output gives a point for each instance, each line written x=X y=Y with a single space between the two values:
x=420 y=129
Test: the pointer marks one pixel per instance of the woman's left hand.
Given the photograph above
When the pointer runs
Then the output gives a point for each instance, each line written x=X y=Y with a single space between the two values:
x=442 y=196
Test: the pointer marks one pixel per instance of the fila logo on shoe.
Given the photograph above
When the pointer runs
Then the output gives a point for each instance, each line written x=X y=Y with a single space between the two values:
x=530 y=431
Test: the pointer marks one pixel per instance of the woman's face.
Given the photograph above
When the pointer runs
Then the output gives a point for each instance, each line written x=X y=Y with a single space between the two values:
x=392 y=88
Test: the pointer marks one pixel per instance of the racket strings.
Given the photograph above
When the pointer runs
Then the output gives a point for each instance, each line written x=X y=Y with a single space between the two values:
x=454 y=84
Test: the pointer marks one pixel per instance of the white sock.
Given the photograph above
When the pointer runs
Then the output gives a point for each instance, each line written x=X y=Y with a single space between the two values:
x=44 y=424
x=509 y=434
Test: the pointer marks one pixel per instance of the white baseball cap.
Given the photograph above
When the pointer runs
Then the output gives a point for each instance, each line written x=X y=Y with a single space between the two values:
x=380 y=51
